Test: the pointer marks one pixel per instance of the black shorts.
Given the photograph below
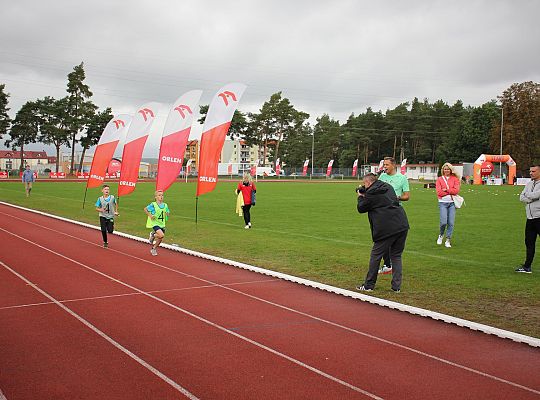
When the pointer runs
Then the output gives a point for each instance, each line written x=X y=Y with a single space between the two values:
x=157 y=228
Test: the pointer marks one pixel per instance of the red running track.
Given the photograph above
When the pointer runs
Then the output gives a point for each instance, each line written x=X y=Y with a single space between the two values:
x=81 y=322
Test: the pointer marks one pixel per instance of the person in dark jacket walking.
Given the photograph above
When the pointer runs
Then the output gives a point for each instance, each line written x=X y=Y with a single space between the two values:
x=389 y=227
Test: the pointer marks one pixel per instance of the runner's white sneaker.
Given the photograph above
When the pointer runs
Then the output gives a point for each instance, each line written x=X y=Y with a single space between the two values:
x=153 y=252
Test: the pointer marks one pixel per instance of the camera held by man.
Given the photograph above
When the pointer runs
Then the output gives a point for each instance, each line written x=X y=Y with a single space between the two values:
x=361 y=189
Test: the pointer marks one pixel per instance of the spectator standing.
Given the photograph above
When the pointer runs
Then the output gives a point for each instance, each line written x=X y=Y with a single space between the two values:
x=447 y=186
x=401 y=186
x=389 y=227
x=248 y=190
x=531 y=197
x=28 y=179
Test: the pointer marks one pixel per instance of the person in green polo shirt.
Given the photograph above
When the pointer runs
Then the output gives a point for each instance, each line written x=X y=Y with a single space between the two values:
x=401 y=186
x=158 y=214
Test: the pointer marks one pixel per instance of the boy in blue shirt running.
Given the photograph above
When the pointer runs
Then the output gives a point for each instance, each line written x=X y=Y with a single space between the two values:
x=107 y=209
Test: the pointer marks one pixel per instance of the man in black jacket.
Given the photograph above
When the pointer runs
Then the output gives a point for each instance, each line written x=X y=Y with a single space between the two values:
x=389 y=226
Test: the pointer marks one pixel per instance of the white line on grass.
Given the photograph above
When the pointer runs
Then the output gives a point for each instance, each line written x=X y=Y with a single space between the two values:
x=139 y=360
x=204 y=320
x=419 y=352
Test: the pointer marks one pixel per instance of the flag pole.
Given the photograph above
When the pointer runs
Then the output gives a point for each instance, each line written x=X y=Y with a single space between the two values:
x=196 y=209
x=84 y=199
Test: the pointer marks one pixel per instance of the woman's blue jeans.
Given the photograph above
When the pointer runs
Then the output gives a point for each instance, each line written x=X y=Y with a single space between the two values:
x=447 y=218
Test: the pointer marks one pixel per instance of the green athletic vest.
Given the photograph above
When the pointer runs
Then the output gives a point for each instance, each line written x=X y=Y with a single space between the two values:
x=161 y=216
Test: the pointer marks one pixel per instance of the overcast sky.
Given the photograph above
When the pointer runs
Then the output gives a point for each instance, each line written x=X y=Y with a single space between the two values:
x=335 y=57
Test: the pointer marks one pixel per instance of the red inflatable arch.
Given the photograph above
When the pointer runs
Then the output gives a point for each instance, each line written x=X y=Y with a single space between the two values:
x=495 y=159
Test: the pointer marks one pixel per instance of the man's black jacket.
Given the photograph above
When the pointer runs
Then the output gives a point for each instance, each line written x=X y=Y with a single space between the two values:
x=386 y=216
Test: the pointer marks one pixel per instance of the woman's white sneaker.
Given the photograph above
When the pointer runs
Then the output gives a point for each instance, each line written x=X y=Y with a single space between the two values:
x=439 y=240
x=447 y=243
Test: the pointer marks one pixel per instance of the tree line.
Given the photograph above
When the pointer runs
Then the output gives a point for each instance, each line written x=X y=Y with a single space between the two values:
x=420 y=131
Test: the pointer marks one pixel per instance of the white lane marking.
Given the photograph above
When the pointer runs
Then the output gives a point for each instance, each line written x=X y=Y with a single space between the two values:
x=149 y=367
x=2 y=397
x=204 y=320
x=419 y=352
x=471 y=325
x=517 y=337
x=132 y=294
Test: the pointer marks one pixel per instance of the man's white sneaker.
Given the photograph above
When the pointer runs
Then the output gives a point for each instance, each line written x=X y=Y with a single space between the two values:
x=447 y=243
x=247 y=227
x=385 y=270
x=439 y=240
x=153 y=252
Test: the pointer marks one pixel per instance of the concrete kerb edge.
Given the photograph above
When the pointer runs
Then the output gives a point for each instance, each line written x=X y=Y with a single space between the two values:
x=517 y=337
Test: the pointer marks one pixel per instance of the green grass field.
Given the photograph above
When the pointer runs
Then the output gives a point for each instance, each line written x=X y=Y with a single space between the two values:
x=312 y=230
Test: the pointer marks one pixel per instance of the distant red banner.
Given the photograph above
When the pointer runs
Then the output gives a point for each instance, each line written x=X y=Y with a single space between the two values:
x=304 y=170
x=329 y=168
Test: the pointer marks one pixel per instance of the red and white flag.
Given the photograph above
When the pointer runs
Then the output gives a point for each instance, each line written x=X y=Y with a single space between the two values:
x=329 y=168
x=112 y=134
x=355 y=167
x=253 y=170
x=403 y=166
x=216 y=125
x=188 y=166
x=175 y=137
x=380 y=168
x=278 y=167
x=304 y=170
x=135 y=140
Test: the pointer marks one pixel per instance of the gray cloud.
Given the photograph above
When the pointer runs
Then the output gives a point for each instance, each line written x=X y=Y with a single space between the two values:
x=334 y=57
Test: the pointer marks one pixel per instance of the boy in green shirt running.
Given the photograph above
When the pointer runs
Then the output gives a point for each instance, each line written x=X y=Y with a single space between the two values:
x=158 y=214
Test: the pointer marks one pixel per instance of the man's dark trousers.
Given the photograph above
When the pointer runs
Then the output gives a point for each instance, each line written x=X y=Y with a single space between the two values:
x=396 y=245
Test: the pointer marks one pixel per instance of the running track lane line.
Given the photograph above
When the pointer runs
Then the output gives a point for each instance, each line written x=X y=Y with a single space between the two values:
x=149 y=367
x=516 y=337
x=128 y=294
x=166 y=379
x=391 y=343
